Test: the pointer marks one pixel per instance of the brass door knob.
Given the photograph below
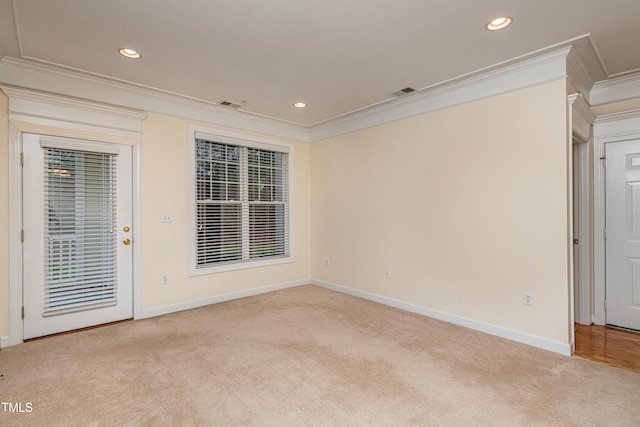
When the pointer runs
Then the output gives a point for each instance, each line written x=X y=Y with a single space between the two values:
x=126 y=242
x=126 y=229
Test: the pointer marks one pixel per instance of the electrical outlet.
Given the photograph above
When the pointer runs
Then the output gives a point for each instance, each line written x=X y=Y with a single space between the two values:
x=167 y=217
x=164 y=278
x=327 y=262
x=527 y=298
x=388 y=274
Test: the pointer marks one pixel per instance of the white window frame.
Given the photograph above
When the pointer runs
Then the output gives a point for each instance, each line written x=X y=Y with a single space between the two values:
x=235 y=138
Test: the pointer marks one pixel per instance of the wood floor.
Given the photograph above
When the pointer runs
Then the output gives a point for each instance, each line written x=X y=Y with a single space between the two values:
x=608 y=345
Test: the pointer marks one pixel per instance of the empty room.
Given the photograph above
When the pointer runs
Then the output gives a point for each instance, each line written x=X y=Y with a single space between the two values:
x=328 y=212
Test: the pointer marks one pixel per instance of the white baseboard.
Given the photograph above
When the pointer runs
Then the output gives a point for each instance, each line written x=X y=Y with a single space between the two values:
x=158 y=311
x=4 y=342
x=510 y=334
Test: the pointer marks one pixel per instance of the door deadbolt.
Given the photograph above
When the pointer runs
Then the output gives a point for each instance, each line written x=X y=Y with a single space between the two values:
x=126 y=229
x=126 y=242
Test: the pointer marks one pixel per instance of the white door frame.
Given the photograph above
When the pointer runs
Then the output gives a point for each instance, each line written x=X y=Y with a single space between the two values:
x=40 y=318
x=608 y=129
x=582 y=231
x=44 y=114
x=582 y=119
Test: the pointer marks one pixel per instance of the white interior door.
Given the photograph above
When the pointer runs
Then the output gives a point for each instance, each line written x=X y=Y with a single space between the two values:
x=77 y=213
x=622 y=212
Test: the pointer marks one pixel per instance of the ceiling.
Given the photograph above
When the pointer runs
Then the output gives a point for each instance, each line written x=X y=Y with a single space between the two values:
x=338 y=56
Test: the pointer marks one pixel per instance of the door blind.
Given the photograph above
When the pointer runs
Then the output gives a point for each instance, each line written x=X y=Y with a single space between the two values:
x=80 y=225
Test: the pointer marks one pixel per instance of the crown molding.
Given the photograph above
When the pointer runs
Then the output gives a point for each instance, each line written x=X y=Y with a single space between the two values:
x=37 y=108
x=559 y=62
x=617 y=126
x=578 y=75
x=617 y=117
x=582 y=118
x=38 y=112
x=46 y=78
x=616 y=89
x=582 y=107
x=517 y=75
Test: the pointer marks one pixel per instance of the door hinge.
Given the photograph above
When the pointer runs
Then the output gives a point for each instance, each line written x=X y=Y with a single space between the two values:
x=21 y=159
x=22 y=236
x=23 y=312
x=604 y=161
x=605 y=304
x=604 y=233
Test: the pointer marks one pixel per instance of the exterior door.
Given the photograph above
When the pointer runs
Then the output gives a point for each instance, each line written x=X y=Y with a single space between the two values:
x=622 y=211
x=77 y=213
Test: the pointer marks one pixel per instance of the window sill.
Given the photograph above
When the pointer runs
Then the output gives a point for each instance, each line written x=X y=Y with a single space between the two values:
x=240 y=266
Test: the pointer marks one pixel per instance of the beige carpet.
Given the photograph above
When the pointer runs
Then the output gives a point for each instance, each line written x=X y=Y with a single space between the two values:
x=305 y=356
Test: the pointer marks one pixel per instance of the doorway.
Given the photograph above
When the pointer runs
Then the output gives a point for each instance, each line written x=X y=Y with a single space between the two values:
x=37 y=113
x=594 y=339
x=77 y=222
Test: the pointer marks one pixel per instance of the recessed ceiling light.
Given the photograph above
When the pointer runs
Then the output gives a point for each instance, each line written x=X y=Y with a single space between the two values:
x=129 y=53
x=299 y=105
x=499 y=23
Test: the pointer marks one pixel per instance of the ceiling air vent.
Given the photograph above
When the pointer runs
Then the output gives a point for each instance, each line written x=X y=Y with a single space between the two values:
x=229 y=104
x=404 y=91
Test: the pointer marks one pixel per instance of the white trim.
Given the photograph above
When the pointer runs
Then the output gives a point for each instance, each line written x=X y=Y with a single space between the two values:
x=510 y=334
x=136 y=156
x=552 y=63
x=519 y=73
x=616 y=89
x=585 y=234
x=78 y=145
x=233 y=266
x=618 y=122
x=4 y=342
x=579 y=75
x=530 y=72
x=60 y=116
x=244 y=140
x=55 y=80
x=227 y=137
x=58 y=111
x=15 y=243
x=599 y=260
x=608 y=129
x=187 y=305
x=570 y=225
x=582 y=119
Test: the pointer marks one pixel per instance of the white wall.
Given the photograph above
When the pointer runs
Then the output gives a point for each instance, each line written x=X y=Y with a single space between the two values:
x=467 y=207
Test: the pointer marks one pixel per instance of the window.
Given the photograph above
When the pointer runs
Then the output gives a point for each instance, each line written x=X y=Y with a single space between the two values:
x=241 y=210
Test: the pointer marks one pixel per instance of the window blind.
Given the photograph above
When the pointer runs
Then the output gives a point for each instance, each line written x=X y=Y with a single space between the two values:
x=241 y=203
x=80 y=224
x=267 y=201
